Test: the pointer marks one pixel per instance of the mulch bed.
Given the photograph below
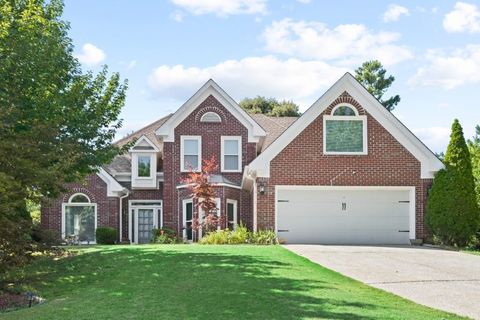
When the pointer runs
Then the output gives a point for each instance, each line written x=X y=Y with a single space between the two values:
x=12 y=301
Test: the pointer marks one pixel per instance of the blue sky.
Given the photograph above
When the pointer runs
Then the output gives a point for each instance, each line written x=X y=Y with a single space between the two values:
x=292 y=49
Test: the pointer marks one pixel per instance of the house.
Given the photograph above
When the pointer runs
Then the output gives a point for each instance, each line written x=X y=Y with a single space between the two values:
x=345 y=172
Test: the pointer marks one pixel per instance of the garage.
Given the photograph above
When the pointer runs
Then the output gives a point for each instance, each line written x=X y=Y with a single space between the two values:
x=345 y=215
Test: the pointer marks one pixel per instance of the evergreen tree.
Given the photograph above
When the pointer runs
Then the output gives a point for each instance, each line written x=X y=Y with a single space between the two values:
x=452 y=210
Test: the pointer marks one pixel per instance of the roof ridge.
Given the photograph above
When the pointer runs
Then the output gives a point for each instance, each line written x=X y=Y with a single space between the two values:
x=143 y=128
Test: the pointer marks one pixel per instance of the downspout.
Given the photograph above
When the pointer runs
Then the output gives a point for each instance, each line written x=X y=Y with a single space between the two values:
x=127 y=193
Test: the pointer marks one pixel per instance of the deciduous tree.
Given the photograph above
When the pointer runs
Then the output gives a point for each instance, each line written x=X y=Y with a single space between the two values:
x=270 y=107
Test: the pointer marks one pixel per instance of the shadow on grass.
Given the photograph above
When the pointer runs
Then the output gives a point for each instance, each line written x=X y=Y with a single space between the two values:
x=144 y=283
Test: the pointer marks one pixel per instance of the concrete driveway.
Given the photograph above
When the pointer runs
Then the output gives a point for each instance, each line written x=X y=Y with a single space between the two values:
x=440 y=279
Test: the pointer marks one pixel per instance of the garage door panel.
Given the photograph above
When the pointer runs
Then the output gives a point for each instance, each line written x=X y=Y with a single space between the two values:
x=367 y=217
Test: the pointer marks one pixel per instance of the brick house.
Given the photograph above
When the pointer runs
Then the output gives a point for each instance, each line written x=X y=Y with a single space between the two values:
x=345 y=172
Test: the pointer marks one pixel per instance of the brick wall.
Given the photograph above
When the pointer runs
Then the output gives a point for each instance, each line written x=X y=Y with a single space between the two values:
x=96 y=189
x=211 y=145
x=302 y=162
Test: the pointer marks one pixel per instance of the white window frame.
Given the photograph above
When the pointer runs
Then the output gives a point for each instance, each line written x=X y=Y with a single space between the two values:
x=138 y=156
x=182 y=152
x=357 y=117
x=239 y=142
x=235 y=212
x=184 y=218
x=78 y=204
x=217 y=120
x=201 y=213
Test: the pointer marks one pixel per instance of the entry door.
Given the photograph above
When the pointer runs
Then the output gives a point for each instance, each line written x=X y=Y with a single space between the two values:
x=145 y=225
x=187 y=220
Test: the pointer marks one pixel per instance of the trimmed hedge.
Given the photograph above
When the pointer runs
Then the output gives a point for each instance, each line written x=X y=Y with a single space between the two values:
x=106 y=235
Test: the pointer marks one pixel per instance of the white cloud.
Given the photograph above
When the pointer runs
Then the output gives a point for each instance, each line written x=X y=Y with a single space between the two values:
x=132 y=64
x=436 y=138
x=304 y=1
x=394 y=12
x=450 y=70
x=177 y=16
x=90 y=55
x=347 y=43
x=464 y=17
x=302 y=81
x=222 y=7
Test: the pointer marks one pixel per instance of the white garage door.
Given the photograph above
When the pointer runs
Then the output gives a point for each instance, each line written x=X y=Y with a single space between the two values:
x=343 y=216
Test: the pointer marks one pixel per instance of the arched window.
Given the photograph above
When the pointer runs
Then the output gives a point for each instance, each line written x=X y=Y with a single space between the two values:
x=345 y=131
x=79 y=218
x=210 y=117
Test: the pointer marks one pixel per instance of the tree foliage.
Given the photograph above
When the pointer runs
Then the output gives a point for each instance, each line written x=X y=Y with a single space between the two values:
x=372 y=75
x=203 y=195
x=270 y=107
x=474 y=148
x=56 y=122
x=452 y=210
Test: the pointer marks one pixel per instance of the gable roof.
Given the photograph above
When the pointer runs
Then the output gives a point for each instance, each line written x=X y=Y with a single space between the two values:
x=167 y=129
x=260 y=166
x=274 y=126
x=147 y=131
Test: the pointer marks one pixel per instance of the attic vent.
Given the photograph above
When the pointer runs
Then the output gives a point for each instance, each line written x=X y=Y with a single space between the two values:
x=210 y=117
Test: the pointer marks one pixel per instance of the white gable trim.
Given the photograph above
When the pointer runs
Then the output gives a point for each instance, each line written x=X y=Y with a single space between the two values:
x=113 y=187
x=148 y=141
x=429 y=162
x=167 y=130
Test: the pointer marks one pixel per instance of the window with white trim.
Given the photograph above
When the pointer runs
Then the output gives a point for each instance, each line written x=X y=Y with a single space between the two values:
x=231 y=154
x=191 y=153
x=79 y=218
x=210 y=117
x=345 y=131
x=231 y=214
x=144 y=166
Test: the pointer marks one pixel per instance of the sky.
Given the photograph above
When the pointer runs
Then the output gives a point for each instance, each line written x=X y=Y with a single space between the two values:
x=291 y=49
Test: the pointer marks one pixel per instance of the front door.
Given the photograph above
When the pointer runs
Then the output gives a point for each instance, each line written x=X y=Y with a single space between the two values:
x=145 y=224
x=145 y=215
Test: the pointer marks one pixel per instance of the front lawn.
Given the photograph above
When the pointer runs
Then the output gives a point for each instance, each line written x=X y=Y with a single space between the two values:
x=204 y=282
x=473 y=251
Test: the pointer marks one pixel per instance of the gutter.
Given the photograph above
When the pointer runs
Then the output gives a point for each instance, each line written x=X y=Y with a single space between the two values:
x=127 y=193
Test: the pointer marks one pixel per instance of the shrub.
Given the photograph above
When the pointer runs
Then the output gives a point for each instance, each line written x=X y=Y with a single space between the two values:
x=263 y=237
x=240 y=236
x=452 y=211
x=165 y=236
x=106 y=235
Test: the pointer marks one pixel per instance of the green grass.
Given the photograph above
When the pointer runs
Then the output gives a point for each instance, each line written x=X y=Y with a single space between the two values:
x=203 y=282
x=472 y=251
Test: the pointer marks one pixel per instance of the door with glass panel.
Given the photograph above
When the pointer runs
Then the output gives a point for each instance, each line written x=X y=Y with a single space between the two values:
x=144 y=218
x=187 y=219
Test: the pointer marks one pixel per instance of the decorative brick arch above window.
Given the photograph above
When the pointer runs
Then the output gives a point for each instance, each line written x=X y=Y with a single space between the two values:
x=74 y=191
x=209 y=112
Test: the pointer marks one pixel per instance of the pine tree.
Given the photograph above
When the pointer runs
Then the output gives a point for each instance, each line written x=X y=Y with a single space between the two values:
x=452 y=211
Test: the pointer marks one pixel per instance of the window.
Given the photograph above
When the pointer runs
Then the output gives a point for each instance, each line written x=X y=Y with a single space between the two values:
x=144 y=166
x=345 y=132
x=231 y=154
x=79 y=218
x=210 y=117
x=191 y=153
x=231 y=214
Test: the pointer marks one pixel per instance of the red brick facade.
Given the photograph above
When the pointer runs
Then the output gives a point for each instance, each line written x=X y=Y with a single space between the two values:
x=211 y=146
x=96 y=189
x=302 y=162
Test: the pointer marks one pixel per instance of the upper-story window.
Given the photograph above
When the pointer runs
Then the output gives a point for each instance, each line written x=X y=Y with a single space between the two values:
x=345 y=131
x=144 y=166
x=231 y=154
x=210 y=117
x=191 y=153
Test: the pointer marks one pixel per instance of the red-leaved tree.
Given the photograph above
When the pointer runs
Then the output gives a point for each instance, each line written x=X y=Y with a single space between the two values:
x=199 y=183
